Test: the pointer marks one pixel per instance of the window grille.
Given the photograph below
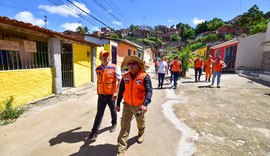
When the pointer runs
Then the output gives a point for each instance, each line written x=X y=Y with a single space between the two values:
x=12 y=60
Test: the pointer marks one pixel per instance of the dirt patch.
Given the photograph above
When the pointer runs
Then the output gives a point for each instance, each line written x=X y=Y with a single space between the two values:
x=232 y=120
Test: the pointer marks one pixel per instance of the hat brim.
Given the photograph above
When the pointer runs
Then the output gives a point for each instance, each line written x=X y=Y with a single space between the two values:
x=104 y=53
x=127 y=59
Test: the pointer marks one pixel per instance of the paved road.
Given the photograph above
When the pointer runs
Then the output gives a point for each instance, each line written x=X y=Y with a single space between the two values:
x=193 y=119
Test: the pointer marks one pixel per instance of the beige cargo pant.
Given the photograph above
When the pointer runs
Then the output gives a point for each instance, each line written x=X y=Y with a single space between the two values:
x=127 y=116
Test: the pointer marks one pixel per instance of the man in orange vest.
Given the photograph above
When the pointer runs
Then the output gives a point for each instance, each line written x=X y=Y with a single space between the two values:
x=136 y=88
x=218 y=65
x=108 y=77
x=176 y=67
x=208 y=68
x=198 y=64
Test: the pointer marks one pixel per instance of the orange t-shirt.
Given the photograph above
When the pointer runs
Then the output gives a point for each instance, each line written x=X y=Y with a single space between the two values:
x=217 y=66
x=198 y=63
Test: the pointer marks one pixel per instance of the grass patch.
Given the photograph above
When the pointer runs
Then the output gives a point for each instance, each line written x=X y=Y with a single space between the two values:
x=10 y=114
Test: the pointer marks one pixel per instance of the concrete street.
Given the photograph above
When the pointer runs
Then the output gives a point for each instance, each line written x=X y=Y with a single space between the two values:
x=194 y=119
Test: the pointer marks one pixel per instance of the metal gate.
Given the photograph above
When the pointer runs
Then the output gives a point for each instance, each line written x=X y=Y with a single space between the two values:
x=67 y=65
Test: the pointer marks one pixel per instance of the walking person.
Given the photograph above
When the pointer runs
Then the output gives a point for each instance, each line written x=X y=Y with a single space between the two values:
x=176 y=69
x=170 y=69
x=136 y=88
x=162 y=70
x=218 y=65
x=208 y=68
x=198 y=64
x=108 y=77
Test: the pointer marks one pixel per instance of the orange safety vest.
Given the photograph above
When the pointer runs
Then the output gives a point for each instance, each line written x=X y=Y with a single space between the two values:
x=106 y=79
x=134 y=93
x=198 y=63
x=176 y=66
x=207 y=64
x=217 y=66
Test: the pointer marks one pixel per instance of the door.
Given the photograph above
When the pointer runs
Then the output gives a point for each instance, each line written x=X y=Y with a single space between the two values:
x=114 y=54
x=67 y=65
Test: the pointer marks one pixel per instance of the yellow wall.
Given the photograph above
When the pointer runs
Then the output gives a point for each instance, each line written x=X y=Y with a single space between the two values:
x=25 y=85
x=202 y=51
x=82 y=64
x=99 y=49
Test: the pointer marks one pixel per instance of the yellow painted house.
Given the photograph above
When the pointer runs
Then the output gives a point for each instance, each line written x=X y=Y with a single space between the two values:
x=202 y=51
x=37 y=62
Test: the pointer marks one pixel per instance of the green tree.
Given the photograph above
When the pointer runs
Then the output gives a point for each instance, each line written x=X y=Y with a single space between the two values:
x=214 y=24
x=201 y=27
x=82 y=30
x=133 y=27
x=114 y=35
x=260 y=27
x=253 y=17
x=228 y=37
x=187 y=32
x=175 y=38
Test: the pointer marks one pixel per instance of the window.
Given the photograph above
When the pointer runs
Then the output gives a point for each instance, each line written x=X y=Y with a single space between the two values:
x=134 y=52
x=217 y=52
x=129 y=52
x=19 y=59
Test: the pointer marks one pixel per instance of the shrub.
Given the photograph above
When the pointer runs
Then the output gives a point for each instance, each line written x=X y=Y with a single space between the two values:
x=10 y=114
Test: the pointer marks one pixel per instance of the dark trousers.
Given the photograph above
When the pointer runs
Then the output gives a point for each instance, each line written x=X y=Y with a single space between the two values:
x=175 y=78
x=198 y=70
x=161 y=79
x=171 y=77
x=103 y=100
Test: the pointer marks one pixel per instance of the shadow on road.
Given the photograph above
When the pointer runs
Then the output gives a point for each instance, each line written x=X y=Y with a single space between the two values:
x=101 y=150
x=207 y=86
x=188 y=82
x=73 y=137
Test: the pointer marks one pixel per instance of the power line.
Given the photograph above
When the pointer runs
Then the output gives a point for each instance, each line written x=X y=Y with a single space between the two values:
x=90 y=15
x=119 y=11
x=60 y=3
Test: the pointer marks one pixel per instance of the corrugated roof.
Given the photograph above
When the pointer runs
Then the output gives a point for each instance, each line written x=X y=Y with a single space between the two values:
x=29 y=26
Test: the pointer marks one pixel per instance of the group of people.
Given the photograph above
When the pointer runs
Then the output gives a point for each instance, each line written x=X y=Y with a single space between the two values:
x=211 y=67
x=134 y=86
x=162 y=67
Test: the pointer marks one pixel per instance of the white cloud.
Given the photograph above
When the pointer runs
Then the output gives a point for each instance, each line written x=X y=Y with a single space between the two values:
x=171 y=20
x=28 y=17
x=117 y=23
x=66 y=10
x=70 y=26
x=197 y=21
x=95 y=29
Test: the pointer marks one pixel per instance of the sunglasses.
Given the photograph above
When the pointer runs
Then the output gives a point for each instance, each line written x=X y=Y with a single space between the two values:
x=132 y=63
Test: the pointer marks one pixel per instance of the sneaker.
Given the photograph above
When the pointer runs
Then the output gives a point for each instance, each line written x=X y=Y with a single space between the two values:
x=140 y=138
x=211 y=86
x=208 y=80
x=113 y=128
x=174 y=87
x=92 y=137
x=218 y=86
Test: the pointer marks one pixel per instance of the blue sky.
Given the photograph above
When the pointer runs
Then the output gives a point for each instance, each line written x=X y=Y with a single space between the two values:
x=63 y=15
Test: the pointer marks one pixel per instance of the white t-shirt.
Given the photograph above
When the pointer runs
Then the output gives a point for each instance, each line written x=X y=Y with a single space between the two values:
x=162 y=65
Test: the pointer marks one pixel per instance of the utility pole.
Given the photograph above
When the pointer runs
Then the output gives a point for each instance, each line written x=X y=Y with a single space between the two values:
x=45 y=20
